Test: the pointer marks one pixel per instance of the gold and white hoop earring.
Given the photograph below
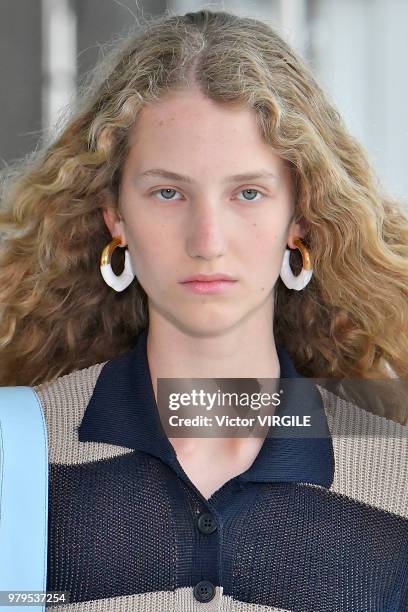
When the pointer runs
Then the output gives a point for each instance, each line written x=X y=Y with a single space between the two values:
x=301 y=280
x=118 y=282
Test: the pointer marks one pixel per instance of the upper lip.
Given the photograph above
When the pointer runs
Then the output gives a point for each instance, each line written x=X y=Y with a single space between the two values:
x=208 y=277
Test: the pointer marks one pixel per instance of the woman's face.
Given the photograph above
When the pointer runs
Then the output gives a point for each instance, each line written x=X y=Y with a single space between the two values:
x=206 y=220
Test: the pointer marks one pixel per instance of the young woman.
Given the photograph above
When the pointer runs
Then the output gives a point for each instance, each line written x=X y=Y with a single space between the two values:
x=204 y=146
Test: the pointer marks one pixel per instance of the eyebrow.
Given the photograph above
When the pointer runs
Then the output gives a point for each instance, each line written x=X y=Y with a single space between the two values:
x=174 y=176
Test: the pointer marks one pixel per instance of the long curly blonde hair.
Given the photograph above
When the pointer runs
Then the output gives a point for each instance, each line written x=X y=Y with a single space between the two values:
x=57 y=314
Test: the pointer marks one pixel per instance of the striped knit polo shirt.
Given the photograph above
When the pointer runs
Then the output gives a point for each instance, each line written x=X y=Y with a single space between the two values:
x=314 y=524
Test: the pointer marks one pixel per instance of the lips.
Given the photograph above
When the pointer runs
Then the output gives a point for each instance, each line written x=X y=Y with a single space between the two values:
x=209 y=287
x=208 y=278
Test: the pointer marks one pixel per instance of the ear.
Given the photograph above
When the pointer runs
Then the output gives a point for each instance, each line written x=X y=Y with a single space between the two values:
x=296 y=230
x=114 y=223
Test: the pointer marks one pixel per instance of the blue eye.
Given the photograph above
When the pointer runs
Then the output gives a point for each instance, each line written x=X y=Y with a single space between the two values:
x=167 y=190
x=253 y=190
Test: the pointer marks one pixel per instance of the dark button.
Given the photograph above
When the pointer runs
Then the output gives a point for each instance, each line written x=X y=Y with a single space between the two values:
x=206 y=523
x=204 y=590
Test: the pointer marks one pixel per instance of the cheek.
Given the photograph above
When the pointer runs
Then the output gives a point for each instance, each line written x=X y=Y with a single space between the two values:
x=152 y=251
x=264 y=257
x=264 y=244
x=145 y=236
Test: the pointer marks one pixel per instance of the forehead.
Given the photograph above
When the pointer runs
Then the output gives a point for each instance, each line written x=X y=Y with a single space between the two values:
x=187 y=126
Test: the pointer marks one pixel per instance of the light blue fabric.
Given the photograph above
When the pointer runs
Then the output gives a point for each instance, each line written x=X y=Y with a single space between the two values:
x=23 y=495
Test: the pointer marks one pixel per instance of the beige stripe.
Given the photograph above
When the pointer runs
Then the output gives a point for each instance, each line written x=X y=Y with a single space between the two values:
x=371 y=455
x=64 y=402
x=181 y=600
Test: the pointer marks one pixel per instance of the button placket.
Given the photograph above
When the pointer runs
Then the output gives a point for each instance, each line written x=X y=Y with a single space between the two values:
x=205 y=590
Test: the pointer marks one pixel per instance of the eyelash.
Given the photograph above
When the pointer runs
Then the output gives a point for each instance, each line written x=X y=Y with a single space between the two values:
x=171 y=188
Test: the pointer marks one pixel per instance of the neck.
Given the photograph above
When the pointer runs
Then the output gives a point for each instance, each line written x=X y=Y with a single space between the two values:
x=245 y=351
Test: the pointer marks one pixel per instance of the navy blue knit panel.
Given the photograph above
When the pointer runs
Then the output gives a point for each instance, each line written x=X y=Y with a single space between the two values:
x=112 y=530
x=302 y=548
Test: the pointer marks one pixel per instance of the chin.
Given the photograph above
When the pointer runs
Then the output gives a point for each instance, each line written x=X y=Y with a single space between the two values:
x=208 y=324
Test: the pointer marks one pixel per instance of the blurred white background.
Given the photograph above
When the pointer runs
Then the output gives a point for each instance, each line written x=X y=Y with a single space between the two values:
x=357 y=48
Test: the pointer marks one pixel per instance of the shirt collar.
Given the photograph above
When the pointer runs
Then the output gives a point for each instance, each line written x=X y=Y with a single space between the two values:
x=123 y=411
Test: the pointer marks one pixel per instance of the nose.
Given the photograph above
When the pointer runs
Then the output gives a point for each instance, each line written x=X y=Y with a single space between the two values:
x=206 y=231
